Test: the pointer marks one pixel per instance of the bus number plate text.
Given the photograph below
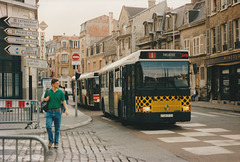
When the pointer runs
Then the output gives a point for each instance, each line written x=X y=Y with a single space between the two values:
x=166 y=115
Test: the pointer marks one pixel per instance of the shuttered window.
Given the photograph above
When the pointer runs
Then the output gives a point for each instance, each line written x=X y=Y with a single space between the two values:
x=218 y=39
x=208 y=41
x=208 y=7
x=230 y=34
x=202 y=44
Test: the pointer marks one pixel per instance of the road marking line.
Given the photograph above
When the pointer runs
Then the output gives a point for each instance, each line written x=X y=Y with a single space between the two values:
x=234 y=137
x=191 y=125
x=229 y=115
x=223 y=142
x=209 y=150
x=178 y=139
x=212 y=130
x=197 y=134
x=158 y=132
x=204 y=114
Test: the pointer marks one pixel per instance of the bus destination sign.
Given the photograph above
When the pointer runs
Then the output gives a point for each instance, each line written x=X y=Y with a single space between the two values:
x=163 y=55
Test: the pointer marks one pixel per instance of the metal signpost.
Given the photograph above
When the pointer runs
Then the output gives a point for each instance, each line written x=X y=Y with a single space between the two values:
x=76 y=58
x=21 y=23
x=19 y=32
x=18 y=40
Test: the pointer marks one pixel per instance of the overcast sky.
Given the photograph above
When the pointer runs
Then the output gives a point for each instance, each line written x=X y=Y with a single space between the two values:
x=66 y=16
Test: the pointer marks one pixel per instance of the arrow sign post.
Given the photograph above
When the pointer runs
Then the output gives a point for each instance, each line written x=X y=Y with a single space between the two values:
x=37 y=63
x=18 y=40
x=18 y=32
x=22 y=50
x=21 y=23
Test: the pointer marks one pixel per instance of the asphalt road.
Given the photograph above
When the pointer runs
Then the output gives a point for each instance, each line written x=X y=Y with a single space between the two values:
x=212 y=135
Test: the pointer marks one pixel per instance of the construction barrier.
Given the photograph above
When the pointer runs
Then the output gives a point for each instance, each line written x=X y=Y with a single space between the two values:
x=18 y=147
x=20 y=111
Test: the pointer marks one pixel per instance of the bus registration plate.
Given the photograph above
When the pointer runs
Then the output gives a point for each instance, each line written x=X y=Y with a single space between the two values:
x=166 y=115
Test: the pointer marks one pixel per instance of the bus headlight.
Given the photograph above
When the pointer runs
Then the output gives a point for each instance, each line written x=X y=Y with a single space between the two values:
x=146 y=109
x=186 y=108
x=98 y=100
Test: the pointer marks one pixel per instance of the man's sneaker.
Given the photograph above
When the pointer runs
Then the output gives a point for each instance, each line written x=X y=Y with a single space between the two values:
x=56 y=146
x=50 y=145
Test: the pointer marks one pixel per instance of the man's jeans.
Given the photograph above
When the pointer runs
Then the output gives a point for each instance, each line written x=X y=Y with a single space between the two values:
x=53 y=116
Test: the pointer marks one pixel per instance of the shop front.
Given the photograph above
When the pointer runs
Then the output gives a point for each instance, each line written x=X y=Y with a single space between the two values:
x=224 y=78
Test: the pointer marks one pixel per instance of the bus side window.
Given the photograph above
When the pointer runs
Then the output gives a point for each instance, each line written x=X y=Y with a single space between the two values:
x=118 y=80
x=83 y=87
x=106 y=79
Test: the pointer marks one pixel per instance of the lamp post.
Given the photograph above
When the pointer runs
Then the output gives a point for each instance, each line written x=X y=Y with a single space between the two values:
x=172 y=15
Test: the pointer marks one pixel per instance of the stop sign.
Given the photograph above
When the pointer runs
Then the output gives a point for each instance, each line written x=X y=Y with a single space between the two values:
x=75 y=57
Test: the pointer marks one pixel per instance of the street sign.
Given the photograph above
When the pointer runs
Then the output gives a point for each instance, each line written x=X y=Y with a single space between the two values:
x=75 y=62
x=35 y=63
x=22 y=50
x=18 y=32
x=19 y=40
x=42 y=45
x=21 y=23
x=75 y=57
x=43 y=25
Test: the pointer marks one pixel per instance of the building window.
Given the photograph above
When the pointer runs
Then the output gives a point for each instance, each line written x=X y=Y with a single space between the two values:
x=123 y=46
x=129 y=43
x=74 y=44
x=230 y=34
x=236 y=22
x=214 y=6
x=236 y=1
x=146 y=29
x=97 y=49
x=218 y=39
x=187 y=44
x=64 y=45
x=88 y=69
x=94 y=66
x=186 y=17
x=124 y=29
x=202 y=73
x=214 y=40
x=20 y=0
x=196 y=45
x=224 y=37
x=208 y=37
x=64 y=71
x=65 y=58
x=100 y=64
x=224 y=4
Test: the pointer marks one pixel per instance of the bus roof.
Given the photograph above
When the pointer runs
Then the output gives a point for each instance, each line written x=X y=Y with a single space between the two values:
x=133 y=58
x=88 y=75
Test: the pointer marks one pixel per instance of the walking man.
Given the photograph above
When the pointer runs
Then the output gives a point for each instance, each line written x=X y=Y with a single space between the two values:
x=55 y=97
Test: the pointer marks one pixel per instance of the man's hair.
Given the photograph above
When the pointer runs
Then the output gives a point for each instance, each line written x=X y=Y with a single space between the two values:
x=54 y=80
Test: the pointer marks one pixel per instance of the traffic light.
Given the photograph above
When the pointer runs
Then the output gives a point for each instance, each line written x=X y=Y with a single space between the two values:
x=77 y=75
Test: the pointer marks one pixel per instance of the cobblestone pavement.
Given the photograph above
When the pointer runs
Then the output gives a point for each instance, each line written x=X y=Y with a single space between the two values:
x=74 y=146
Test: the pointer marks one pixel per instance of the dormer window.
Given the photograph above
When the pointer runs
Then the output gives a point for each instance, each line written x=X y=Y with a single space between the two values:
x=148 y=26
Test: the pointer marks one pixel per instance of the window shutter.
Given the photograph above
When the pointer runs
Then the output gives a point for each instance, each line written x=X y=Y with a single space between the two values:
x=230 y=34
x=208 y=7
x=219 y=39
x=208 y=41
x=202 y=43
x=71 y=44
x=229 y=2
x=218 y=5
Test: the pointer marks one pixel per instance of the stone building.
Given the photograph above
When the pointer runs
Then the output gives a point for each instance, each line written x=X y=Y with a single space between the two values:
x=223 y=50
x=192 y=36
x=60 y=51
x=17 y=80
x=92 y=31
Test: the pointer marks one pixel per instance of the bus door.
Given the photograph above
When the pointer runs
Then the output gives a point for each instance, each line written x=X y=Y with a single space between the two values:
x=90 y=92
x=128 y=91
x=111 y=94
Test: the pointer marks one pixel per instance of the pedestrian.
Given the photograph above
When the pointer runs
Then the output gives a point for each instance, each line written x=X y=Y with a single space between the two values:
x=66 y=95
x=54 y=97
x=195 y=94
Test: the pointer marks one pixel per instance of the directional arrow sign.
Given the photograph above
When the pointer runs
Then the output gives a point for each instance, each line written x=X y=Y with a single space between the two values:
x=22 y=50
x=18 y=40
x=21 y=23
x=18 y=32
x=37 y=63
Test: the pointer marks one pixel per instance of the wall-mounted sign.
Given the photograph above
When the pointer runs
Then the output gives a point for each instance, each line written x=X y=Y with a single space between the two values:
x=21 y=23
x=22 y=50
x=19 y=40
x=19 y=32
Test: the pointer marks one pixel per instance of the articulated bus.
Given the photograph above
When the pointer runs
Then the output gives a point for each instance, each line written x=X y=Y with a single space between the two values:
x=88 y=84
x=148 y=86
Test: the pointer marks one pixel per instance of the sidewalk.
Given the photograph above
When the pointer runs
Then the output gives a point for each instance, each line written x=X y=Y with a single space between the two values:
x=225 y=107
x=68 y=122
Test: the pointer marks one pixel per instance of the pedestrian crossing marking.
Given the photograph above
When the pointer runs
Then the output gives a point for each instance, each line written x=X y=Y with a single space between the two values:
x=204 y=114
x=234 y=137
x=197 y=134
x=212 y=130
x=209 y=150
x=223 y=142
x=225 y=114
x=158 y=132
x=191 y=125
x=178 y=139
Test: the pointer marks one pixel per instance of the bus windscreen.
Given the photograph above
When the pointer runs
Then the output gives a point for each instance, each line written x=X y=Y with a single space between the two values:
x=169 y=74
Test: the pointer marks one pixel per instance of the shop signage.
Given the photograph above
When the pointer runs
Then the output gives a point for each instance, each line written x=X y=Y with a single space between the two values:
x=223 y=59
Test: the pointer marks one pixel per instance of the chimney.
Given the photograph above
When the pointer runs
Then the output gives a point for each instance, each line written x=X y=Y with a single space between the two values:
x=110 y=24
x=151 y=3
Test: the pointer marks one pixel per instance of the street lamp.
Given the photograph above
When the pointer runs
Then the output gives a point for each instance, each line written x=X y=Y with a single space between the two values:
x=172 y=15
